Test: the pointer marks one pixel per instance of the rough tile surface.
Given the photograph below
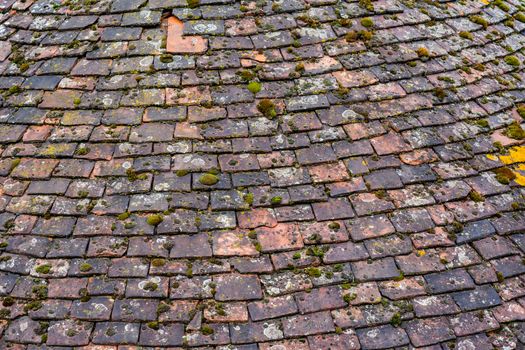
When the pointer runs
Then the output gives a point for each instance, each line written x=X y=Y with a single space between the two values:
x=273 y=175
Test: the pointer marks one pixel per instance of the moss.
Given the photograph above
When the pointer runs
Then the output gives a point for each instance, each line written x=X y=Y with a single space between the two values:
x=181 y=172
x=246 y=75
x=82 y=151
x=43 y=269
x=504 y=175
x=193 y=3
x=367 y=5
x=501 y=5
x=363 y=35
x=153 y=325
x=466 y=35
x=77 y=101
x=208 y=179
x=123 y=216
x=163 y=307
x=520 y=17
x=33 y=305
x=514 y=131
x=512 y=61
x=313 y=272
x=396 y=320
x=349 y=297
x=40 y=291
x=85 y=267
x=166 y=58
x=254 y=87
x=248 y=198
x=296 y=256
x=158 y=262
x=423 y=52
x=500 y=276
x=15 y=89
x=151 y=286
x=521 y=111
x=206 y=330
x=8 y=301
x=457 y=227
x=154 y=219
x=276 y=200
x=400 y=277
x=3 y=245
x=367 y=22
x=440 y=93
x=267 y=108
x=476 y=196
x=483 y=123
x=334 y=226
x=479 y=20
x=14 y=163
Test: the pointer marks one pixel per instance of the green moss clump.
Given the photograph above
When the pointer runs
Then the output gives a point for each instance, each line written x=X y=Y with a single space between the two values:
x=40 y=291
x=512 y=61
x=514 y=131
x=267 y=108
x=520 y=16
x=349 y=297
x=502 y=5
x=15 y=89
x=440 y=93
x=363 y=35
x=33 y=305
x=466 y=35
x=476 y=196
x=504 y=175
x=158 y=262
x=85 y=267
x=521 y=111
x=313 y=272
x=208 y=179
x=162 y=308
x=151 y=286
x=154 y=219
x=193 y=3
x=483 y=123
x=396 y=320
x=8 y=301
x=246 y=75
x=276 y=200
x=43 y=269
x=367 y=5
x=254 y=87
x=207 y=330
x=334 y=226
x=123 y=216
x=479 y=20
x=181 y=172
x=153 y=325
x=166 y=58
x=367 y=22
x=248 y=198
x=296 y=256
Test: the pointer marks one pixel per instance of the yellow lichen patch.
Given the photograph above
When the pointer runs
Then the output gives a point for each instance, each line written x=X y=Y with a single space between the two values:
x=486 y=2
x=514 y=156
